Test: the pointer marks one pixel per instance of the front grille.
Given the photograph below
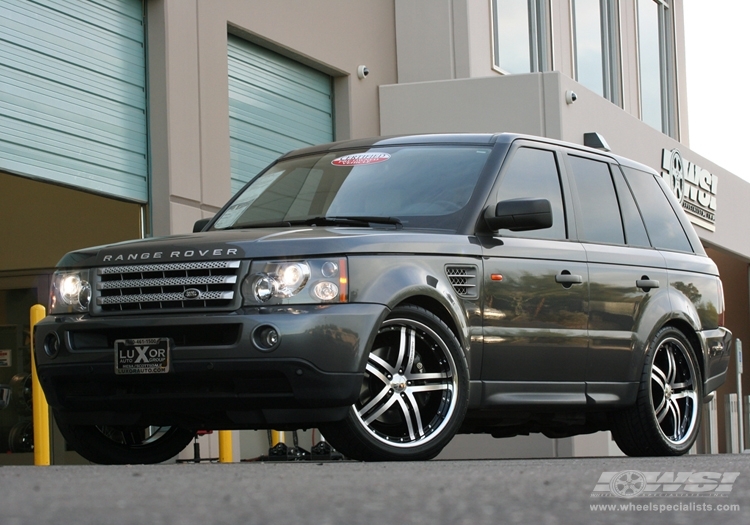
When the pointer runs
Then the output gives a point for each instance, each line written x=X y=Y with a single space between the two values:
x=463 y=278
x=205 y=285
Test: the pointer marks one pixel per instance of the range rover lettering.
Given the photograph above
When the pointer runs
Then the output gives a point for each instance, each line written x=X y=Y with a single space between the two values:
x=394 y=292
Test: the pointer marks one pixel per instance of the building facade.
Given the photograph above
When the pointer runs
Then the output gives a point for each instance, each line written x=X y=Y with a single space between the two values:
x=128 y=118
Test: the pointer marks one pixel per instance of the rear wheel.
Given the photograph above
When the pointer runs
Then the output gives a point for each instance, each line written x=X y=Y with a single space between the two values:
x=666 y=417
x=123 y=445
x=414 y=394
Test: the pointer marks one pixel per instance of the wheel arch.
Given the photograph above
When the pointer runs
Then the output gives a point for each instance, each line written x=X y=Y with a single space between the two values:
x=667 y=307
x=691 y=335
x=422 y=282
x=436 y=307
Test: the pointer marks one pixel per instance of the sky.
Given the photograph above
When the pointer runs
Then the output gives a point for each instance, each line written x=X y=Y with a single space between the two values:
x=717 y=46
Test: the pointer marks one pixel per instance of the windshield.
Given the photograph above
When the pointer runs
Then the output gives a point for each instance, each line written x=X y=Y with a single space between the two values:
x=420 y=186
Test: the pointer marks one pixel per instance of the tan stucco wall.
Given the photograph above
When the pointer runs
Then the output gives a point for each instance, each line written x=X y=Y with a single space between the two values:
x=187 y=55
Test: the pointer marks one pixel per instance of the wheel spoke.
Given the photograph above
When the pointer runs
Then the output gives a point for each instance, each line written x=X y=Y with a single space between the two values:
x=662 y=412
x=686 y=394
x=672 y=367
x=431 y=388
x=407 y=417
x=427 y=376
x=406 y=347
x=658 y=376
x=684 y=384
x=381 y=409
x=374 y=401
x=658 y=409
x=132 y=437
x=674 y=408
x=415 y=410
x=374 y=362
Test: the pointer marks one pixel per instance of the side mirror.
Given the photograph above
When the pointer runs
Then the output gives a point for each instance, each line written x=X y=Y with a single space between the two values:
x=199 y=225
x=520 y=215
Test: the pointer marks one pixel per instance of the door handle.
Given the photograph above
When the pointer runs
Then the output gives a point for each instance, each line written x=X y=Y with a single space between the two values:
x=646 y=284
x=567 y=279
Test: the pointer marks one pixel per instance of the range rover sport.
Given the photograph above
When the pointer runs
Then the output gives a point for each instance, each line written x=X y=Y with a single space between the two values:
x=394 y=292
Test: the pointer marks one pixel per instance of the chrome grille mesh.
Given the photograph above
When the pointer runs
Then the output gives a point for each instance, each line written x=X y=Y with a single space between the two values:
x=167 y=286
x=463 y=278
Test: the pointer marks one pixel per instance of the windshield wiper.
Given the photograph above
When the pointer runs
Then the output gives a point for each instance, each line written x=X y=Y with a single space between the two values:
x=354 y=220
x=326 y=221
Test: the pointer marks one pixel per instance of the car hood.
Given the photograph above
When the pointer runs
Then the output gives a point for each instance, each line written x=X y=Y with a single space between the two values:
x=271 y=243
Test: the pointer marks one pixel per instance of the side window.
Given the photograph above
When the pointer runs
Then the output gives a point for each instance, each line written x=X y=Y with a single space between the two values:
x=533 y=173
x=635 y=231
x=662 y=224
x=600 y=221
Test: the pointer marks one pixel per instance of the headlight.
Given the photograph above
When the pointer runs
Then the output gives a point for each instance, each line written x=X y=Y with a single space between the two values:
x=70 y=293
x=296 y=282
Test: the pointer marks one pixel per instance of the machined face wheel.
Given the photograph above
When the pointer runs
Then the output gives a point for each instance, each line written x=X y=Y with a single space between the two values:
x=409 y=391
x=666 y=415
x=118 y=445
x=673 y=393
x=135 y=437
x=414 y=393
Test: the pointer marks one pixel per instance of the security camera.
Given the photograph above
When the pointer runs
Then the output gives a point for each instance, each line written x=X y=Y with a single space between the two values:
x=362 y=72
x=570 y=96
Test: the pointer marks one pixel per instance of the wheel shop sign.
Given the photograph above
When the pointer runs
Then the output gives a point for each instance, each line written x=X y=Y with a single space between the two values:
x=693 y=186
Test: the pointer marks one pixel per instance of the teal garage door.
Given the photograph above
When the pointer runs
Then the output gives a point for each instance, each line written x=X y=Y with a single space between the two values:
x=73 y=94
x=275 y=105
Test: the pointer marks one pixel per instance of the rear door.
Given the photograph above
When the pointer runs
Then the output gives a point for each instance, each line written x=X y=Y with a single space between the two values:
x=625 y=272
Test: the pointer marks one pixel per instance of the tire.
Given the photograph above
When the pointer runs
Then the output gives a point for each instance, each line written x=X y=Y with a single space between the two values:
x=665 y=419
x=115 y=445
x=414 y=394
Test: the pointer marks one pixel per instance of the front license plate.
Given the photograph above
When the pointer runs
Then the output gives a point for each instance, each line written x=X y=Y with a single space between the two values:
x=142 y=356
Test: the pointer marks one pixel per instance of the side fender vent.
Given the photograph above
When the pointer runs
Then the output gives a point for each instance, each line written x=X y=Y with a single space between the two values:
x=463 y=278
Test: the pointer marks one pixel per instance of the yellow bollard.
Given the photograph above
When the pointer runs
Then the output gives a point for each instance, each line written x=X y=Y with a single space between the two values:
x=225 y=446
x=39 y=401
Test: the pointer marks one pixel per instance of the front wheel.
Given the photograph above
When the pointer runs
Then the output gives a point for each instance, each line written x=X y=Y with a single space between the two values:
x=666 y=417
x=414 y=394
x=124 y=445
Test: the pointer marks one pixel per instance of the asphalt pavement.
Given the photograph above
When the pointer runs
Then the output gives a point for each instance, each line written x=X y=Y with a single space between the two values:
x=692 y=489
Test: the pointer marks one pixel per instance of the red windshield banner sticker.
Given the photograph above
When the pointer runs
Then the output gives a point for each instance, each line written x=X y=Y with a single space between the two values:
x=358 y=159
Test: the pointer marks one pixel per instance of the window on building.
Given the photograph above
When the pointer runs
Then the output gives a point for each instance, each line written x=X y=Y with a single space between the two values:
x=596 y=48
x=656 y=64
x=520 y=35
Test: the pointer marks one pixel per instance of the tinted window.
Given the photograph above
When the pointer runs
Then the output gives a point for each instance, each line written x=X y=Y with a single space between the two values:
x=423 y=186
x=533 y=173
x=635 y=232
x=600 y=220
x=662 y=224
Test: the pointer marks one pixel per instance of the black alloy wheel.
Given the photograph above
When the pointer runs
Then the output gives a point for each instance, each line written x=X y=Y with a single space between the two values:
x=414 y=394
x=126 y=445
x=666 y=417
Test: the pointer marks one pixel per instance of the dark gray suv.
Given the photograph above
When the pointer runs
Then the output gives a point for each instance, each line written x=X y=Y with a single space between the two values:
x=394 y=292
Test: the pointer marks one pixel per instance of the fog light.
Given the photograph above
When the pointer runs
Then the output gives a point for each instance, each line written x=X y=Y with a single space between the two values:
x=52 y=345
x=266 y=338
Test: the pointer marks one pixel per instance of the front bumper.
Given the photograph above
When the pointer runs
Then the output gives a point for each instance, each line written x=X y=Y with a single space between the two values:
x=218 y=378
